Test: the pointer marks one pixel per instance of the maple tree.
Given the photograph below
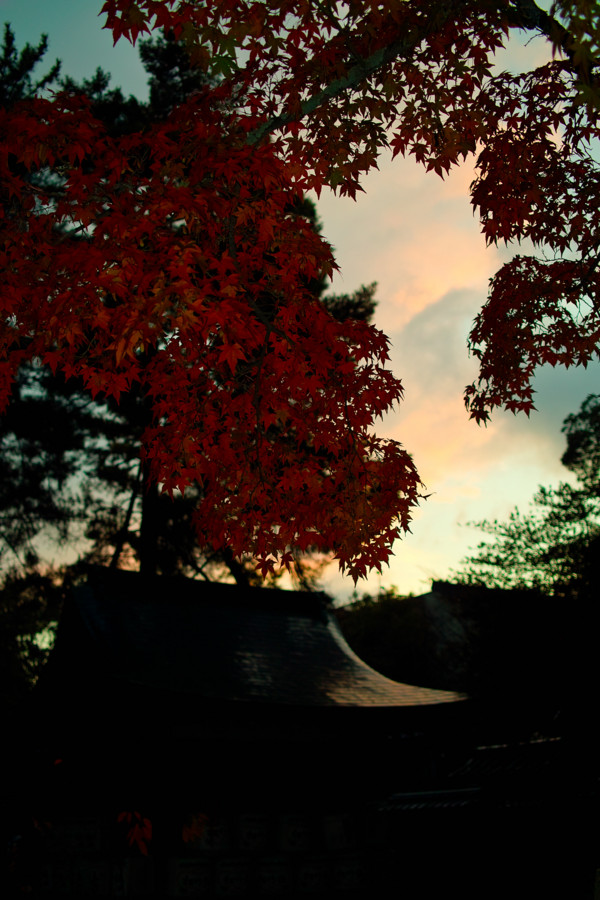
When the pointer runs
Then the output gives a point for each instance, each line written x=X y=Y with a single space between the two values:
x=70 y=472
x=192 y=283
x=71 y=464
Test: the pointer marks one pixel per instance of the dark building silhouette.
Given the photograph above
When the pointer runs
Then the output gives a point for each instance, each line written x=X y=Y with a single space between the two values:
x=272 y=762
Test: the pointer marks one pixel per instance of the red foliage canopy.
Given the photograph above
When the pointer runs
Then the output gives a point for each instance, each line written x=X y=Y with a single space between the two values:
x=172 y=258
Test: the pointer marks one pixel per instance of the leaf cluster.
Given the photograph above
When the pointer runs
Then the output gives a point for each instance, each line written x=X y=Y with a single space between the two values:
x=221 y=342
x=553 y=547
x=190 y=282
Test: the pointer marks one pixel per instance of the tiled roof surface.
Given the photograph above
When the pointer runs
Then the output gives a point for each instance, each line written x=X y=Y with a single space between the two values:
x=219 y=641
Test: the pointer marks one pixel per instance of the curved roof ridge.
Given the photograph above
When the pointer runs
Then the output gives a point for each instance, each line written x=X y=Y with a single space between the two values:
x=223 y=642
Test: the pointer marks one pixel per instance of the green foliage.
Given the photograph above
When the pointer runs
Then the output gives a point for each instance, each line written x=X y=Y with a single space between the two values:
x=582 y=20
x=29 y=612
x=55 y=446
x=172 y=80
x=120 y=114
x=16 y=69
x=554 y=546
x=582 y=456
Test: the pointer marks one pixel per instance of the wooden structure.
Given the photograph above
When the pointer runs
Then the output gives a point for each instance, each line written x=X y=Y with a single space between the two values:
x=270 y=760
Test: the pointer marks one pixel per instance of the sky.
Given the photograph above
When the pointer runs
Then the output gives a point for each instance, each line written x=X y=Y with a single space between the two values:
x=415 y=235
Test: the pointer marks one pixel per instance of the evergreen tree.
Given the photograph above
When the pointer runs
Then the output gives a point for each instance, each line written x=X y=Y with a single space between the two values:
x=17 y=80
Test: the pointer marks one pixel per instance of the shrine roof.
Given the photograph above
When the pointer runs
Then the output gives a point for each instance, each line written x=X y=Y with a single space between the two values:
x=224 y=642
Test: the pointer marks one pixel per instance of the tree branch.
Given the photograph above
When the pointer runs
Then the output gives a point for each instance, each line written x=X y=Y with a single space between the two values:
x=528 y=15
x=521 y=14
x=403 y=47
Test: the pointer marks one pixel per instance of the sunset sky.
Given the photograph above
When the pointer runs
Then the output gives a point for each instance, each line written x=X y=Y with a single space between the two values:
x=417 y=237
